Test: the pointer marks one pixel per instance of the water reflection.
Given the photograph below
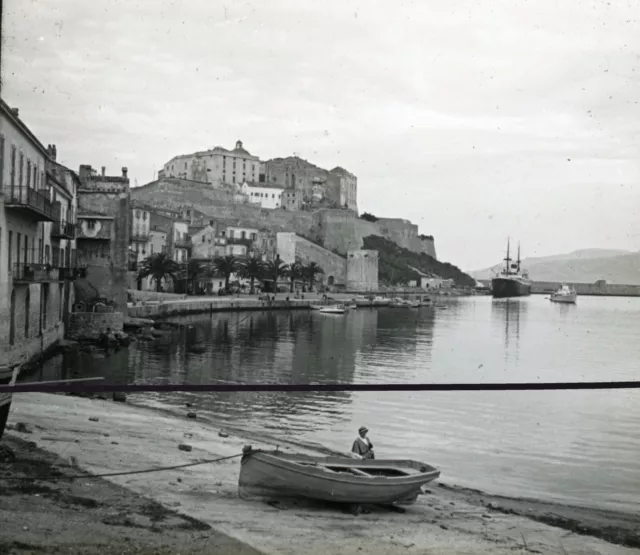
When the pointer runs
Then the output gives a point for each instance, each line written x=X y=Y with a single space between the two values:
x=472 y=340
x=510 y=313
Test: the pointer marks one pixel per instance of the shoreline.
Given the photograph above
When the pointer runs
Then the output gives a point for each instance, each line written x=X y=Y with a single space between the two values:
x=157 y=310
x=449 y=517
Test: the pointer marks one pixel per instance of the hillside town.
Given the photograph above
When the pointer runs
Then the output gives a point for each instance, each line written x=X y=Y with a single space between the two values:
x=75 y=244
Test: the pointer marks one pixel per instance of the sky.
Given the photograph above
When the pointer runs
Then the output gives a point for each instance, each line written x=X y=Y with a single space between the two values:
x=478 y=121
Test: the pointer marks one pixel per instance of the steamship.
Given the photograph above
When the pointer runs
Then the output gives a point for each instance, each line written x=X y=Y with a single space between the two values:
x=511 y=281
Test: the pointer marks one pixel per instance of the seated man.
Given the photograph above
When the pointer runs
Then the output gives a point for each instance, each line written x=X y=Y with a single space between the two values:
x=362 y=446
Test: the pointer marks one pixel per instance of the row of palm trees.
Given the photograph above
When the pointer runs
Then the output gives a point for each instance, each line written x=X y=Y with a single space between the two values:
x=160 y=266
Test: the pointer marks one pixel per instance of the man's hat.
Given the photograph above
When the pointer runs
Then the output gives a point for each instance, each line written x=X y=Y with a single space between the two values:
x=363 y=429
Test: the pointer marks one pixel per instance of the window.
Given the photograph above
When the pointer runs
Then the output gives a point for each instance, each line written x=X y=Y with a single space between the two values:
x=91 y=224
x=244 y=234
x=61 y=294
x=28 y=173
x=144 y=215
x=1 y=159
x=138 y=214
x=13 y=165
x=21 y=169
x=10 y=251
x=203 y=238
x=18 y=245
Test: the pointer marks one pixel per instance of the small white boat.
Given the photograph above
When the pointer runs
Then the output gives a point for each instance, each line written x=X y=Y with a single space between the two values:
x=335 y=309
x=566 y=294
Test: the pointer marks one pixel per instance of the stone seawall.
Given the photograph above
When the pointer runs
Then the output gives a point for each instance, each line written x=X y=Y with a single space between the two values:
x=89 y=325
x=154 y=296
x=164 y=310
x=589 y=289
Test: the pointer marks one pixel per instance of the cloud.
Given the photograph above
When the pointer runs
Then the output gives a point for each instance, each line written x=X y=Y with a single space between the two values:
x=447 y=112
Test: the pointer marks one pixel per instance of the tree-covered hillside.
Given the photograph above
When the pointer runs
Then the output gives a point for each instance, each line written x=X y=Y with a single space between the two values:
x=395 y=264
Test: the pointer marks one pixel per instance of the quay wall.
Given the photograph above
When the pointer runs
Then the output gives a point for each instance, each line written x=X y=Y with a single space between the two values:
x=89 y=325
x=589 y=289
x=139 y=296
x=164 y=310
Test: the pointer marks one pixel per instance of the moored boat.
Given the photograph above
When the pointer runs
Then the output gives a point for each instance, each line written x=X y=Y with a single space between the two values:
x=274 y=474
x=334 y=309
x=511 y=281
x=371 y=301
x=565 y=294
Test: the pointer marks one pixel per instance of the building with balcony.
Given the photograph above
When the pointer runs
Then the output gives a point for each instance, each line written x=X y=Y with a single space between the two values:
x=102 y=238
x=32 y=307
x=140 y=237
x=179 y=243
x=240 y=240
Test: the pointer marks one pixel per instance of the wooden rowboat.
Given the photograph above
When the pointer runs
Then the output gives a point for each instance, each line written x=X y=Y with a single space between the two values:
x=274 y=474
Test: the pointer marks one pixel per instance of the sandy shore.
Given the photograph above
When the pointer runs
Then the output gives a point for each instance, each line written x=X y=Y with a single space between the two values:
x=124 y=438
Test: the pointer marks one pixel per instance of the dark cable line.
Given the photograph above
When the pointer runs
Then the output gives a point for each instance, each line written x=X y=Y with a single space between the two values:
x=63 y=387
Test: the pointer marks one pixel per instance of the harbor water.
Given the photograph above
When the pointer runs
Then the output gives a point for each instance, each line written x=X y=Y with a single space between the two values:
x=577 y=447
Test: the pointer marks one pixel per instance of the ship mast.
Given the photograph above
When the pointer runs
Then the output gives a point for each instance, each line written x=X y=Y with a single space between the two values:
x=507 y=259
x=518 y=256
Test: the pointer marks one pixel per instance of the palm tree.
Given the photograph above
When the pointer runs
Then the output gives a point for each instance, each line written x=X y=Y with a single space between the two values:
x=159 y=266
x=251 y=268
x=194 y=270
x=274 y=269
x=311 y=270
x=226 y=265
x=295 y=271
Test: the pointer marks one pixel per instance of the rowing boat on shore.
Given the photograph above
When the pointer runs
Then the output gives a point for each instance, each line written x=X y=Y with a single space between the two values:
x=274 y=474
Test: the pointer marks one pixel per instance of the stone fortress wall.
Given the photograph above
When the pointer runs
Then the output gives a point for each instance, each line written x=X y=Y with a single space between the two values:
x=339 y=230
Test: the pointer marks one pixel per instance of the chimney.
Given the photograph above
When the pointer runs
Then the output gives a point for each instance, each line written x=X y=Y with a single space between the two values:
x=55 y=152
x=85 y=171
x=15 y=112
x=104 y=169
x=124 y=172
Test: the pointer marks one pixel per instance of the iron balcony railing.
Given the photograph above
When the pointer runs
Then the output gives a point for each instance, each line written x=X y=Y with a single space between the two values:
x=68 y=273
x=37 y=202
x=31 y=272
x=184 y=243
x=64 y=230
x=240 y=241
x=140 y=237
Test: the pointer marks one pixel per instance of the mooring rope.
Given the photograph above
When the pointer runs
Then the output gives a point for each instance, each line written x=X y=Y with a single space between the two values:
x=129 y=472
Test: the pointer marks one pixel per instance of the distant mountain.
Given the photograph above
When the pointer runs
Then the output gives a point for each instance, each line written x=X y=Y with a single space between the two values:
x=582 y=266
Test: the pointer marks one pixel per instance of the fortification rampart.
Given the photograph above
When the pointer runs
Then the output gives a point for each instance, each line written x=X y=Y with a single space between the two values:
x=338 y=230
